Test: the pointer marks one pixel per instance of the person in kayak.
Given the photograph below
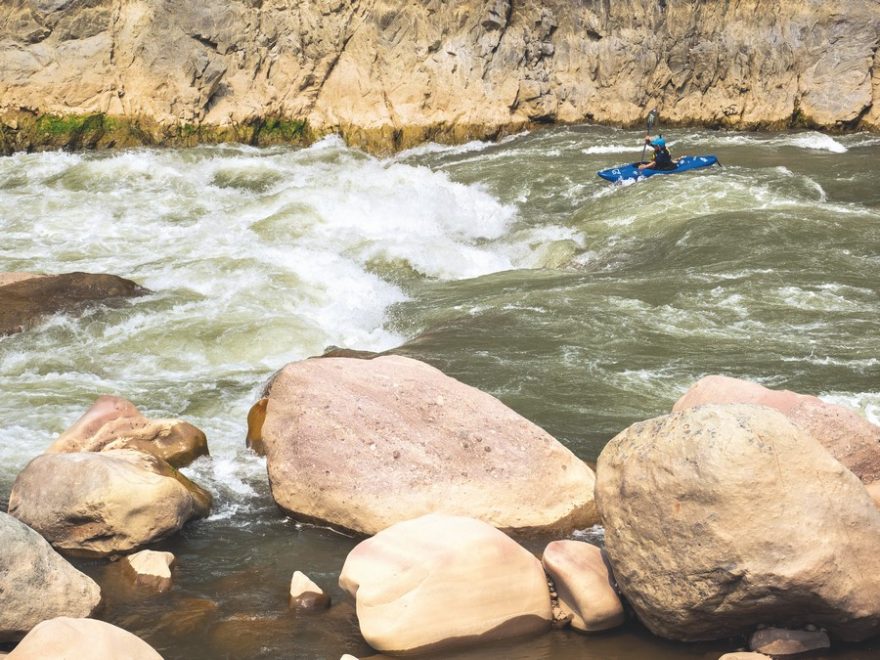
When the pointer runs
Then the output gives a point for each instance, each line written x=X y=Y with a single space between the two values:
x=662 y=159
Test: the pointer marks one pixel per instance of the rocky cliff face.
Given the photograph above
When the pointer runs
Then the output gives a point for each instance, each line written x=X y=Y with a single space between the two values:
x=388 y=73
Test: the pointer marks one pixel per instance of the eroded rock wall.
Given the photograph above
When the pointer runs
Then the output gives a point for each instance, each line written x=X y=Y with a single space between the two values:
x=389 y=73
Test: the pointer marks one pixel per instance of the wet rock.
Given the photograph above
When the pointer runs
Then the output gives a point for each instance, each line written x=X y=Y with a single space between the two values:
x=584 y=585
x=115 y=423
x=25 y=301
x=362 y=444
x=850 y=438
x=151 y=569
x=107 y=503
x=65 y=637
x=779 y=642
x=255 y=420
x=36 y=583
x=188 y=616
x=306 y=595
x=438 y=582
x=721 y=517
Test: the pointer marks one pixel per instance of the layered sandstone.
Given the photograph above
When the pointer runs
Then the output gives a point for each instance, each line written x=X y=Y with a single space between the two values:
x=390 y=73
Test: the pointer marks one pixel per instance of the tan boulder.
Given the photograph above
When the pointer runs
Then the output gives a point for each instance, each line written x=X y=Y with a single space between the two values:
x=744 y=655
x=36 y=583
x=100 y=504
x=66 y=638
x=850 y=438
x=722 y=517
x=305 y=594
x=438 y=582
x=584 y=585
x=779 y=642
x=151 y=568
x=362 y=444
x=115 y=423
x=25 y=301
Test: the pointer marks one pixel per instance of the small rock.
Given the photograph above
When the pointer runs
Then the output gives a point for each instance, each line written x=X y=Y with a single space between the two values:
x=151 y=568
x=306 y=595
x=779 y=641
x=744 y=655
x=584 y=585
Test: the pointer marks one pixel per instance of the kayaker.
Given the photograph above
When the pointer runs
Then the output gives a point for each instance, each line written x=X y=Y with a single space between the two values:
x=662 y=159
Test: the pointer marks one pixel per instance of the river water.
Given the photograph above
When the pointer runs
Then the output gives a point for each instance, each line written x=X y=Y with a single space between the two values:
x=511 y=266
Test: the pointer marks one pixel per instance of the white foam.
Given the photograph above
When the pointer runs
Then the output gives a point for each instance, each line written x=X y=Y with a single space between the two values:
x=818 y=142
x=611 y=149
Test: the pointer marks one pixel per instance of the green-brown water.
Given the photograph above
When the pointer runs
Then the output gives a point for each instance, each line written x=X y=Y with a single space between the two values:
x=511 y=267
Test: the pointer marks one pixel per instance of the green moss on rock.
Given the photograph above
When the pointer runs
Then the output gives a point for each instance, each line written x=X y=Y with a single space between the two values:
x=25 y=131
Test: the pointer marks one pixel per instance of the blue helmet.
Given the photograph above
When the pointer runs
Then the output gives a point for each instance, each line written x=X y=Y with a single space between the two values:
x=658 y=142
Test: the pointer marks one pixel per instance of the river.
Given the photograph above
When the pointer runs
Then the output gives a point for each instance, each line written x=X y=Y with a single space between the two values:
x=510 y=266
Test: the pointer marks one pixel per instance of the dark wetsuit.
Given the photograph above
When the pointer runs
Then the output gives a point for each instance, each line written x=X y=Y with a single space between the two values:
x=662 y=159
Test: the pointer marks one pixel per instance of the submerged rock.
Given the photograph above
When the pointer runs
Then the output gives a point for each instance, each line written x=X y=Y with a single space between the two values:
x=779 y=642
x=584 y=585
x=65 y=637
x=115 y=423
x=100 y=504
x=25 y=301
x=850 y=438
x=719 y=518
x=36 y=583
x=363 y=444
x=438 y=582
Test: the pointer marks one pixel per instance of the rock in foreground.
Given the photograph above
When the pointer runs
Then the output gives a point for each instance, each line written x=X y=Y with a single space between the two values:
x=850 y=438
x=115 y=423
x=95 y=505
x=363 y=444
x=440 y=581
x=67 y=638
x=584 y=585
x=36 y=583
x=25 y=301
x=720 y=518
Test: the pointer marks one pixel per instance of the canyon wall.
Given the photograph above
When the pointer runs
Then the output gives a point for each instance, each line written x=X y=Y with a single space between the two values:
x=391 y=73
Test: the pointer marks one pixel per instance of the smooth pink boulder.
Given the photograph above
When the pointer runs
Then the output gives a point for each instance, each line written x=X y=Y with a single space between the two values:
x=364 y=444
x=850 y=438
x=439 y=582
x=65 y=638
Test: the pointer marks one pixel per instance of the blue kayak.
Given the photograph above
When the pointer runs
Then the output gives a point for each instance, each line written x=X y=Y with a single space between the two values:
x=632 y=172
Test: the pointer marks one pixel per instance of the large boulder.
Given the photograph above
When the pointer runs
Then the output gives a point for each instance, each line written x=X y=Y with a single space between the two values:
x=584 y=585
x=850 y=438
x=115 y=423
x=95 y=505
x=363 y=444
x=24 y=301
x=439 y=581
x=36 y=583
x=64 y=637
x=722 y=517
